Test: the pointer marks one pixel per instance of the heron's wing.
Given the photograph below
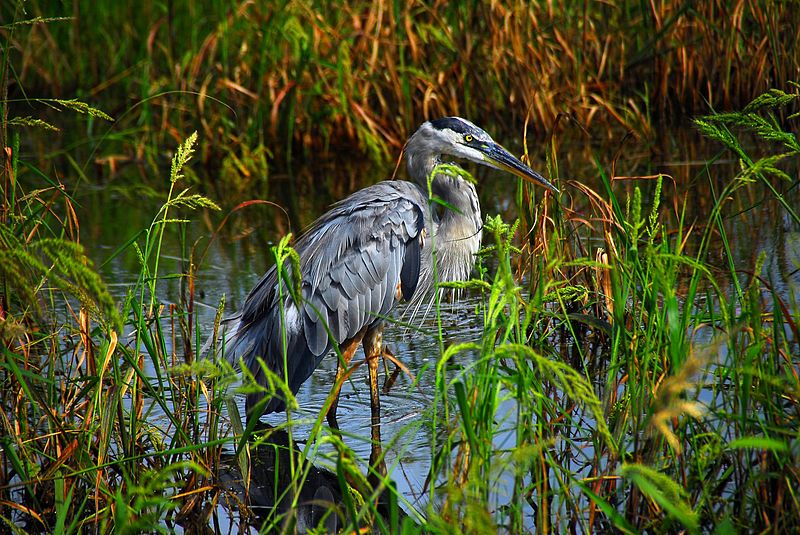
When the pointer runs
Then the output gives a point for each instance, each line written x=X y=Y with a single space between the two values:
x=359 y=260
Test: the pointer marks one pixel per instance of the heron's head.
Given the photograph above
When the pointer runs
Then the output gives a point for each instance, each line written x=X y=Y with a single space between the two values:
x=454 y=136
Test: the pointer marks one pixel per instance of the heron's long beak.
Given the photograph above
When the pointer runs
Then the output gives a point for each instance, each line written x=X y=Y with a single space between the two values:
x=497 y=156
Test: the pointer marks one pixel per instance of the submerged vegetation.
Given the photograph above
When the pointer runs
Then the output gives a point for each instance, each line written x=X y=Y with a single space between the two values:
x=632 y=373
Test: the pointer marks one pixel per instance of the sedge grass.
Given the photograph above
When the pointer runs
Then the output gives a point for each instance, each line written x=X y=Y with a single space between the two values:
x=80 y=451
x=673 y=407
x=645 y=388
x=297 y=78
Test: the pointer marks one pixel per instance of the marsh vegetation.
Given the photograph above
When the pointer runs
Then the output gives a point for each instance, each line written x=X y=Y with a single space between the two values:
x=626 y=358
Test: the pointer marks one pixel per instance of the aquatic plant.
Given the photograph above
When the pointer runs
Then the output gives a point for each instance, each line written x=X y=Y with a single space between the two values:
x=294 y=78
x=631 y=373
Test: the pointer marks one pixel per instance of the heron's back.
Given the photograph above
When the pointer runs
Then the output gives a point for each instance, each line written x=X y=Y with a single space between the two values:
x=357 y=262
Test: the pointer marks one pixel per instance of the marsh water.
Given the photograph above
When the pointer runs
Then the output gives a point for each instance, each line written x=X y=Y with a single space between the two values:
x=239 y=255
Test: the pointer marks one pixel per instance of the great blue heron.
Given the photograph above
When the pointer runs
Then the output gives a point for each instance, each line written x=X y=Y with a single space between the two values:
x=368 y=253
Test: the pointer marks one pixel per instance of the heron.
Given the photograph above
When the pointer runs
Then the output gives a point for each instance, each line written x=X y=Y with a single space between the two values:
x=371 y=251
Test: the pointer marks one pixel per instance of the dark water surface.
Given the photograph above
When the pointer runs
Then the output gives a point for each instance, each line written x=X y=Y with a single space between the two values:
x=112 y=215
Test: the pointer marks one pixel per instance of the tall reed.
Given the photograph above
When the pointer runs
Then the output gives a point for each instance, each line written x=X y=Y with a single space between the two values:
x=300 y=78
x=636 y=386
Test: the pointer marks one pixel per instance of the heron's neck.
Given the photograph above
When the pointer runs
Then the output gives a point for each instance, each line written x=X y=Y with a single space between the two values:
x=459 y=225
x=456 y=193
x=459 y=195
x=420 y=167
x=459 y=220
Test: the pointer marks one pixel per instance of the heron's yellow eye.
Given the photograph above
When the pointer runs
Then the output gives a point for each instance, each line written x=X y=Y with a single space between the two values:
x=468 y=138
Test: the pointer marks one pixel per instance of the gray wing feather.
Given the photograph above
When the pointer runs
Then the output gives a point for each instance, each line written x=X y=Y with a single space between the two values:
x=363 y=247
x=353 y=259
x=392 y=279
x=313 y=325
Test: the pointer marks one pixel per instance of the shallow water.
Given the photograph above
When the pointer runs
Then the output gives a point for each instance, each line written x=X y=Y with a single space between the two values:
x=236 y=260
x=230 y=270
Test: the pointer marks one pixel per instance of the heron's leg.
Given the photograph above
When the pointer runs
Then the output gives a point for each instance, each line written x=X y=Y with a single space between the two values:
x=373 y=348
x=390 y=379
x=348 y=349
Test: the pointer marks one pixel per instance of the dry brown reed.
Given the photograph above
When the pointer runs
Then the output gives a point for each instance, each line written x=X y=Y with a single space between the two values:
x=361 y=75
